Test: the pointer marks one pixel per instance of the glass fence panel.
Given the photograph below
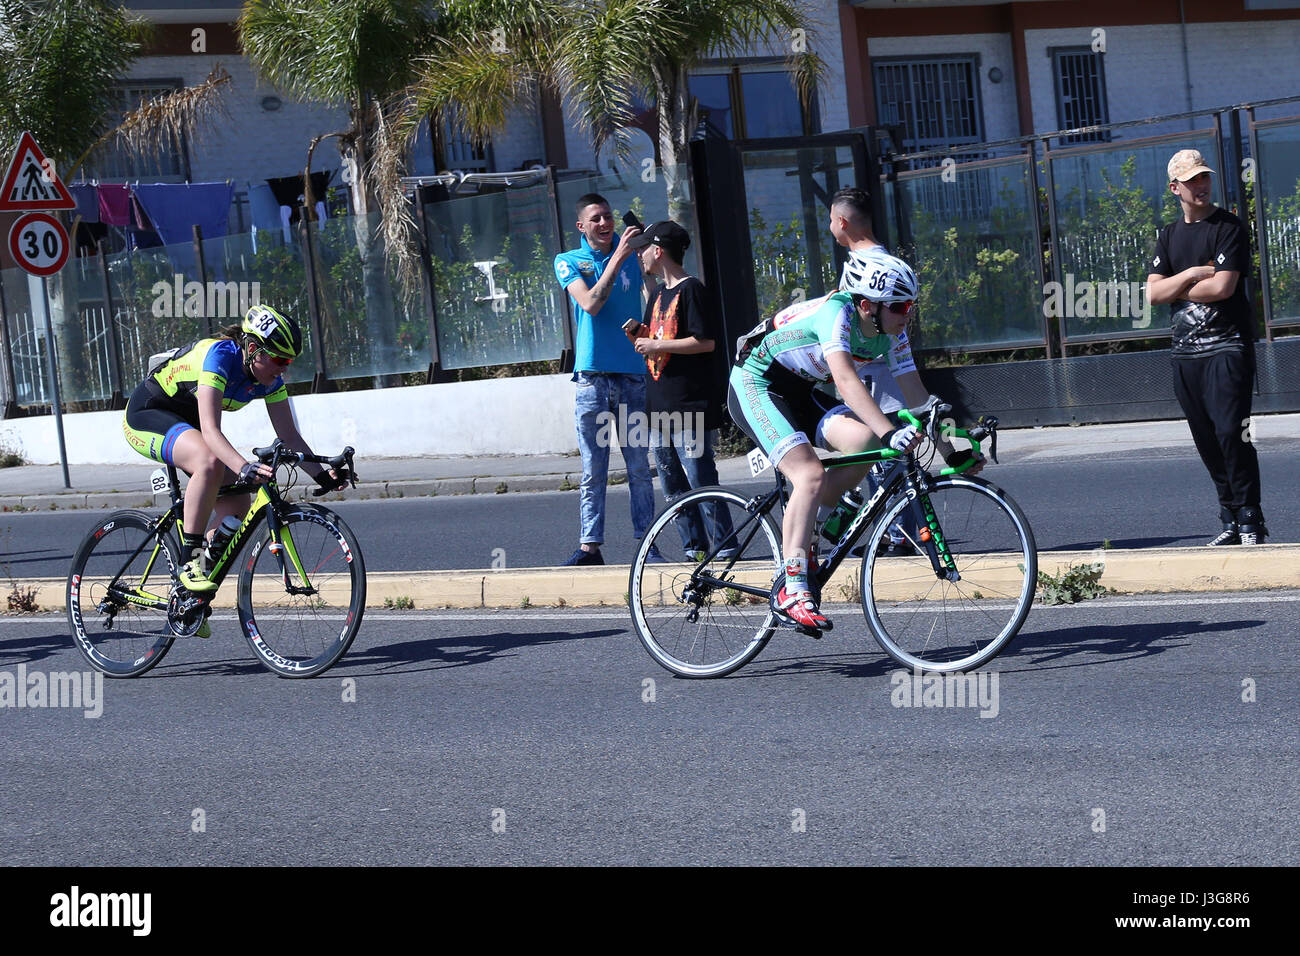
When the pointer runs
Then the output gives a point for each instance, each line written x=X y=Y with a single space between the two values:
x=370 y=327
x=1110 y=203
x=975 y=253
x=156 y=307
x=494 y=279
x=1279 y=177
x=246 y=269
x=26 y=341
x=787 y=192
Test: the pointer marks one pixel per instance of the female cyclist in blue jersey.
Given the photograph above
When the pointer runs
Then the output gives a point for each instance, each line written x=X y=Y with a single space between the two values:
x=174 y=416
x=769 y=396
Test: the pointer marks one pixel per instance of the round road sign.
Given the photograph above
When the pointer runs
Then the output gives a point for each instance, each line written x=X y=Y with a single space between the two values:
x=39 y=243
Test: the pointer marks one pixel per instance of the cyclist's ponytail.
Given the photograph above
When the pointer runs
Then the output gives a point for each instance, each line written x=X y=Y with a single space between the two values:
x=234 y=331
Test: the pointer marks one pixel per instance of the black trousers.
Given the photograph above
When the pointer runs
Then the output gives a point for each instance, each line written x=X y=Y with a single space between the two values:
x=1215 y=394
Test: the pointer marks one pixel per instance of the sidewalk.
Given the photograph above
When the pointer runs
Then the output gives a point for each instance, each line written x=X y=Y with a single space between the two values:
x=40 y=487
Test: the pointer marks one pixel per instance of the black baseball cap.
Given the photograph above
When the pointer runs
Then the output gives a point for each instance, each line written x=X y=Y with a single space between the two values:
x=667 y=234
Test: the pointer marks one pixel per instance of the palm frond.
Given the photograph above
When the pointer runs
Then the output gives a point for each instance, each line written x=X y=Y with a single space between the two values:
x=167 y=121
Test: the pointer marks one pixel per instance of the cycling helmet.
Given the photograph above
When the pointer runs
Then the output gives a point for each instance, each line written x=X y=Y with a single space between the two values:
x=276 y=333
x=879 y=277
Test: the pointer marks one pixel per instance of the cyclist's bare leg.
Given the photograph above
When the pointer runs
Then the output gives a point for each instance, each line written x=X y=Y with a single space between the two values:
x=193 y=456
x=847 y=435
x=804 y=469
x=236 y=505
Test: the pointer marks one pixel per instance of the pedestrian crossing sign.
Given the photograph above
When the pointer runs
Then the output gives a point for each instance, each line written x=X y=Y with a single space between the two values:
x=32 y=182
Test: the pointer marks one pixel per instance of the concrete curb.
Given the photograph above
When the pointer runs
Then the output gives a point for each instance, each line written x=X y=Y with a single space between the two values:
x=1165 y=570
x=366 y=491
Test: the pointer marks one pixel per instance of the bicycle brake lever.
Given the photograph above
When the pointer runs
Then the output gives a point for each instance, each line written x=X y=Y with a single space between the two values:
x=990 y=423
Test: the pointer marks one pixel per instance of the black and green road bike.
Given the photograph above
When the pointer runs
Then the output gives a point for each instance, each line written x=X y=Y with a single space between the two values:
x=951 y=605
x=302 y=579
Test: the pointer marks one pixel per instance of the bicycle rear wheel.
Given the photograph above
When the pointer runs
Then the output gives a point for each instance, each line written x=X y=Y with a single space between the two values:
x=688 y=611
x=932 y=623
x=117 y=592
x=301 y=605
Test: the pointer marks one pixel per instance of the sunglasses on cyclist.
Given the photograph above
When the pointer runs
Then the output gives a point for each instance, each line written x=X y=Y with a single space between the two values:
x=900 y=308
x=276 y=359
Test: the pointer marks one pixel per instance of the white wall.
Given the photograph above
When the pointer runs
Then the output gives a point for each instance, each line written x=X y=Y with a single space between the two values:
x=253 y=144
x=526 y=416
x=1229 y=62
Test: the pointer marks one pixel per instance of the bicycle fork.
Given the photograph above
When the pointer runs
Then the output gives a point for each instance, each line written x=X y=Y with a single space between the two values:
x=282 y=545
x=930 y=534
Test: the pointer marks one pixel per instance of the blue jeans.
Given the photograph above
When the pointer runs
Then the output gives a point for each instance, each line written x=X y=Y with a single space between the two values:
x=685 y=462
x=608 y=406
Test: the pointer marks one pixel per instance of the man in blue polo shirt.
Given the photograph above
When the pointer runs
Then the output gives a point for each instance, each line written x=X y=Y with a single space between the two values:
x=603 y=278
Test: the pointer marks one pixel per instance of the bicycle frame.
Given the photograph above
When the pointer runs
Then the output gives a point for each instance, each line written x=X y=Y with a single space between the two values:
x=265 y=505
x=905 y=470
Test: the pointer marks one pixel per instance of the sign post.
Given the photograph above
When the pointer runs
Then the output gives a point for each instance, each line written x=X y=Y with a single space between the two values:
x=39 y=245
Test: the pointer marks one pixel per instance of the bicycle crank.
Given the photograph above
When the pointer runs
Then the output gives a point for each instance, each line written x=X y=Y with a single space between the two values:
x=184 y=612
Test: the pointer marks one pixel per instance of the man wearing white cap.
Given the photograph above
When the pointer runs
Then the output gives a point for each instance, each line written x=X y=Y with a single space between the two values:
x=1197 y=268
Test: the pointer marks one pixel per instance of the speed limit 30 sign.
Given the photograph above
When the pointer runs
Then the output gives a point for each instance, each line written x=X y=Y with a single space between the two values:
x=39 y=244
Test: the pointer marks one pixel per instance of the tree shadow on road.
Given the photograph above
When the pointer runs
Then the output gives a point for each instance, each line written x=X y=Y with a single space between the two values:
x=437 y=653
x=1107 y=643
x=1033 y=651
x=1124 y=544
x=1129 y=544
x=36 y=647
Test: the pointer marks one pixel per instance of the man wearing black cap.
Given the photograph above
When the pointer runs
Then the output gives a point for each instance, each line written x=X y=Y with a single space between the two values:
x=683 y=383
x=1198 y=264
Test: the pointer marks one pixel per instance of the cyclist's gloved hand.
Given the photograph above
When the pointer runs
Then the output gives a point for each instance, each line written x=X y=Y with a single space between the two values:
x=330 y=481
x=901 y=438
x=253 y=472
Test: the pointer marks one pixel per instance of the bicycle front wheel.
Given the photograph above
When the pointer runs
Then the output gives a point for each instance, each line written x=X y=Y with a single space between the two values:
x=961 y=620
x=692 y=611
x=301 y=601
x=117 y=593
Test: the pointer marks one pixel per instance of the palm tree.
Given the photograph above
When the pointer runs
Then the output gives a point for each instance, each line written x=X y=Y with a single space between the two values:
x=601 y=54
x=59 y=60
x=354 y=54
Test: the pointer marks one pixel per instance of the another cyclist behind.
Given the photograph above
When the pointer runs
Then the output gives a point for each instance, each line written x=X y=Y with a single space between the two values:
x=770 y=399
x=174 y=416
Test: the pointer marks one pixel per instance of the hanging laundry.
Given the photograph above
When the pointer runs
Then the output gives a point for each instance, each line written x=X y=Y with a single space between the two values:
x=176 y=208
x=264 y=211
x=86 y=196
x=289 y=191
x=115 y=205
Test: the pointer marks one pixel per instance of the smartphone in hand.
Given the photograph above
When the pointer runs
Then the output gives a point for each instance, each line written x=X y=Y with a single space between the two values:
x=635 y=329
x=630 y=219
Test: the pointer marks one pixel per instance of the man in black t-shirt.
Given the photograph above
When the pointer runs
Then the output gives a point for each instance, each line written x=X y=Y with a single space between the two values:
x=1199 y=261
x=683 y=381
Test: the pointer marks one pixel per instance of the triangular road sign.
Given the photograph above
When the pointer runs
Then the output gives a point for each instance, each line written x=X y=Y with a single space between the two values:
x=32 y=182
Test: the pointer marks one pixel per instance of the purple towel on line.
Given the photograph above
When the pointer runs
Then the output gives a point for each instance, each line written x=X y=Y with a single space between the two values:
x=115 y=205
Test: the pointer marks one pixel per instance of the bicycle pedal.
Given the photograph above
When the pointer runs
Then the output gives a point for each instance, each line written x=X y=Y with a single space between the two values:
x=812 y=632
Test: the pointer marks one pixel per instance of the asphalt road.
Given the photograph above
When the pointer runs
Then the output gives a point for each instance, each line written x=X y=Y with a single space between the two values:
x=1121 y=737
x=1157 y=499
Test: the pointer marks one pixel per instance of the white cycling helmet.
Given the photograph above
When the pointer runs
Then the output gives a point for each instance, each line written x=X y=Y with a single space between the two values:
x=879 y=277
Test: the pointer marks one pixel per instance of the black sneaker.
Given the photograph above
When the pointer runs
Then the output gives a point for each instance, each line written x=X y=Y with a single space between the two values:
x=1251 y=526
x=581 y=557
x=1228 y=536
